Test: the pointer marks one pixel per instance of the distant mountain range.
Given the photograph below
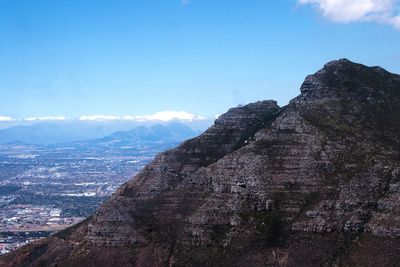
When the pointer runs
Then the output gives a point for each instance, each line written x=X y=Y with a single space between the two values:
x=51 y=133
x=159 y=136
x=174 y=132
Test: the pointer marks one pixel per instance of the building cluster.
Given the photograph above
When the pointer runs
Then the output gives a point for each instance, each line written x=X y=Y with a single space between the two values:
x=57 y=187
x=32 y=218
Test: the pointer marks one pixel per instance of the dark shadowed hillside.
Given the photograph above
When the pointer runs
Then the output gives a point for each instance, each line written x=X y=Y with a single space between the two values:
x=314 y=183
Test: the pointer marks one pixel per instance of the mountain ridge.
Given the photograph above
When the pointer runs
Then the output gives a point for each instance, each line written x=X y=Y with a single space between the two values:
x=55 y=133
x=313 y=183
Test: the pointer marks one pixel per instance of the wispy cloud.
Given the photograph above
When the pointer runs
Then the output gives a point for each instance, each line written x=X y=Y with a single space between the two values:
x=5 y=118
x=163 y=116
x=382 y=11
x=185 y=2
x=166 y=116
x=46 y=118
x=99 y=118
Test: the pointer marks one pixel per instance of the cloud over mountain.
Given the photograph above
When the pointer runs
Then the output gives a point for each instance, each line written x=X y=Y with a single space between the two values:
x=166 y=116
x=158 y=116
x=99 y=118
x=5 y=118
x=46 y=118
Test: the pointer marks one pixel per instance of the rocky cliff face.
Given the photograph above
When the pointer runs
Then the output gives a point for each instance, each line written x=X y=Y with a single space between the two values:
x=316 y=182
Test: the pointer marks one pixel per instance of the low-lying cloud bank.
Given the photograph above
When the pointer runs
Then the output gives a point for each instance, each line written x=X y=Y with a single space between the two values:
x=159 y=116
x=46 y=118
x=5 y=118
x=162 y=116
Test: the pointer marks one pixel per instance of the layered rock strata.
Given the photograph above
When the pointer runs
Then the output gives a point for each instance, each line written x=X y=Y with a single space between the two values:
x=314 y=183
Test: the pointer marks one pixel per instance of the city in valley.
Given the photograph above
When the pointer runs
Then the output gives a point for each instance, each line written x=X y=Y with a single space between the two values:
x=44 y=189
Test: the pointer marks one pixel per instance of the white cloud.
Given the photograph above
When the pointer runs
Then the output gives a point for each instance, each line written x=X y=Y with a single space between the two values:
x=46 y=118
x=383 y=11
x=5 y=118
x=163 y=116
x=99 y=118
x=166 y=116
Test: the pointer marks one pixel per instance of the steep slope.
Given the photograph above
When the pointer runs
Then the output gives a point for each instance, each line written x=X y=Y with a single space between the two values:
x=314 y=183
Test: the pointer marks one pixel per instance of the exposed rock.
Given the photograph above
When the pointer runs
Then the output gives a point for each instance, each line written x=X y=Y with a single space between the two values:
x=314 y=183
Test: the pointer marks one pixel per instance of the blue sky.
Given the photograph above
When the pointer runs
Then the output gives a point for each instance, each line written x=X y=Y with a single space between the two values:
x=137 y=57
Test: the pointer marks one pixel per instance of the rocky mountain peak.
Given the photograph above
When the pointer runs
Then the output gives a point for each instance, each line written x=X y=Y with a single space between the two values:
x=315 y=183
x=340 y=75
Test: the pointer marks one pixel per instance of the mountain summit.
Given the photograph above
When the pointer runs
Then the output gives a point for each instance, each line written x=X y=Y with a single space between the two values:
x=314 y=183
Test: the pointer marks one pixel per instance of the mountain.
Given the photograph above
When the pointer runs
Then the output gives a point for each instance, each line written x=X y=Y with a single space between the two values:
x=169 y=133
x=314 y=183
x=51 y=133
x=156 y=137
x=46 y=133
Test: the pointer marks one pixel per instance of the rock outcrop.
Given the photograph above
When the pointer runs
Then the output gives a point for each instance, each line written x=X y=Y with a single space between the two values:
x=314 y=183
